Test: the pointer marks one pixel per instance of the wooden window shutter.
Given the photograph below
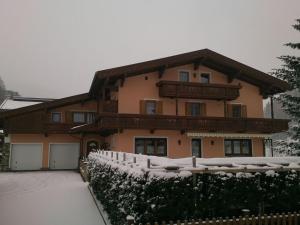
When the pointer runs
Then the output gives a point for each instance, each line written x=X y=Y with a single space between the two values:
x=142 y=107
x=244 y=111
x=159 y=107
x=49 y=116
x=187 y=109
x=202 y=109
x=228 y=110
x=69 y=117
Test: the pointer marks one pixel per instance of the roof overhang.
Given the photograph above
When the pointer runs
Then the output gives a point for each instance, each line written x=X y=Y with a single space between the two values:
x=268 y=84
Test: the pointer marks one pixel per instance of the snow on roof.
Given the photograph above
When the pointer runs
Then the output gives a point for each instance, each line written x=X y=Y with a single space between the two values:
x=166 y=167
x=9 y=104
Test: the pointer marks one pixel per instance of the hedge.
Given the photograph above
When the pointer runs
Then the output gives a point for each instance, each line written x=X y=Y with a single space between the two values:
x=154 y=197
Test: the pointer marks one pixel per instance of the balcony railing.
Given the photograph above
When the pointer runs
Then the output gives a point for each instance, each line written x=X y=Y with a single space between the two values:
x=189 y=123
x=192 y=90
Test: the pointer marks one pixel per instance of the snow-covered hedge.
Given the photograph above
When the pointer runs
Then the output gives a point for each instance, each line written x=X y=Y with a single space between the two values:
x=151 y=195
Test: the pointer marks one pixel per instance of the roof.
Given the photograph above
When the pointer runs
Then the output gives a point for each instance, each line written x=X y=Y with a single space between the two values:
x=19 y=102
x=46 y=105
x=269 y=84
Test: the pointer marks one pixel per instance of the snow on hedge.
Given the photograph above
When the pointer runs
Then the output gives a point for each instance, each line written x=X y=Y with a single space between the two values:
x=159 y=165
x=128 y=187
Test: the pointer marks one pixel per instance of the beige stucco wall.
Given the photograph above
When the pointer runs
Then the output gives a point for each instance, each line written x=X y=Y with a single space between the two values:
x=52 y=138
x=211 y=146
x=138 y=88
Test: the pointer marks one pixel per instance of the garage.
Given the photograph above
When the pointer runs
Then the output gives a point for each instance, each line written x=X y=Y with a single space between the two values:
x=64 y=156
x=26 y=156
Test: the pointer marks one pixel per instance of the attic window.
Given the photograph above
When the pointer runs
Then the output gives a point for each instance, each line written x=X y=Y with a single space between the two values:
x=205 y=78
x=184 y=76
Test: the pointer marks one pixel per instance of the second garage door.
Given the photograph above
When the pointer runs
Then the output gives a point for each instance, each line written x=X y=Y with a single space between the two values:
x=64 y=156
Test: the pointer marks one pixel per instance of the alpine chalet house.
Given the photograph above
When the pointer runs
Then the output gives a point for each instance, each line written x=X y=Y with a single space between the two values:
x=199 y=103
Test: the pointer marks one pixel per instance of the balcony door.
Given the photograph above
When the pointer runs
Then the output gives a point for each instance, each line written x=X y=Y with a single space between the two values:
x=196 y=148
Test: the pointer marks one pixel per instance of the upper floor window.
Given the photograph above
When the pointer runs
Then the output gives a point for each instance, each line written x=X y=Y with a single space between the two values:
x=236 y=110
x=205 y=78
x=195 y=109
x=238 y=147
x=78 y=117
x=90 y=117
x=56 y=117
x=150 y=107
x=184 y=76
x=84 y=117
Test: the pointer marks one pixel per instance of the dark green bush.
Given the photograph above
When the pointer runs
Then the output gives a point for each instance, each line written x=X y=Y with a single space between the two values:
x=150 y=198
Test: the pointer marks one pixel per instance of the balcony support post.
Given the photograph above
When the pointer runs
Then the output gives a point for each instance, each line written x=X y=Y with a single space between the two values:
x=176 y=100
x=272 y=116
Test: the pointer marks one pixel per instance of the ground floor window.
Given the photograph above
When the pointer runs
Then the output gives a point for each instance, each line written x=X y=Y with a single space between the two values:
x=151 y=146
x=238 y=147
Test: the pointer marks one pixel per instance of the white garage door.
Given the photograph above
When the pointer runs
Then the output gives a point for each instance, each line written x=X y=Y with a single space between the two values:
x=64 y=156
x=26 y=156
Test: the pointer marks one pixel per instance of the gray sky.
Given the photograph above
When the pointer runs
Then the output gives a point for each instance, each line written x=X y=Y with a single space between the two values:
x=52 y=48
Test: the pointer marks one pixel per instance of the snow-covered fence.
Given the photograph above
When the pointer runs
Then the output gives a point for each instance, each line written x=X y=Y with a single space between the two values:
x=204 y=165
x=272 y=219
x=150 y=188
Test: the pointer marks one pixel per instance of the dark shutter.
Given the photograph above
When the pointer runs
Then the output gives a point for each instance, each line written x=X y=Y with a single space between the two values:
x=159 y=107
x=142 y=107
x=187 y=109
x=69 y=117
x=228 y=110
x=202 y=109
x=244 y=111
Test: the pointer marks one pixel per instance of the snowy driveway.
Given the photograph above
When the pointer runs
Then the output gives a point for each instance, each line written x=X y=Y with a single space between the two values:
x=46 y=198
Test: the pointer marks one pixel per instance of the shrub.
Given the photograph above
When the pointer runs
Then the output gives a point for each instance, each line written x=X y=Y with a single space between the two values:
x=151 y=196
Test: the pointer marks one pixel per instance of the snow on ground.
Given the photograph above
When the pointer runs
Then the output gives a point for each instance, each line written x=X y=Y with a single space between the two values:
x=46 y=198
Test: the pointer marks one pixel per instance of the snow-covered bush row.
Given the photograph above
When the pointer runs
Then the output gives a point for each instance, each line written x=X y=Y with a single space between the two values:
x=151 y=195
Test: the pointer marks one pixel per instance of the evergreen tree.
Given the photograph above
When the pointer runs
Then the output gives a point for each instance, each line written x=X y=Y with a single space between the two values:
x=2 y=90
x=290 y=72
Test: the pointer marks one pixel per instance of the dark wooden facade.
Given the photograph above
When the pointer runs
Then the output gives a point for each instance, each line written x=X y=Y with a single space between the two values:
x=187 y=123
x=178 y=89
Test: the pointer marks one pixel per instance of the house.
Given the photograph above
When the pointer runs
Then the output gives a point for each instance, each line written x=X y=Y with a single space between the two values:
x=199 y=103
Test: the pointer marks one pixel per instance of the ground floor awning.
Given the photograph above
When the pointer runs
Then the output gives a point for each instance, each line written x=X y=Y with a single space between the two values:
x=228 y=135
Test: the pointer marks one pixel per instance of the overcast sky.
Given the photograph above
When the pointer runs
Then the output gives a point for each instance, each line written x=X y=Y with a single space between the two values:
x=52 y=48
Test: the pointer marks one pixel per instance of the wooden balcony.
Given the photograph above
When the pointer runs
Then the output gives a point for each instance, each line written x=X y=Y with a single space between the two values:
x=192 y=90
x=110 y=106
x=58 y=128
x=187 y=123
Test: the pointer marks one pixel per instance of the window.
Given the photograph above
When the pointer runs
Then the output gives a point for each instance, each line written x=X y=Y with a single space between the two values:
x=84 y=117
x=56 y=117
x=78 y=117
x=151 y=146
x=195 y=109
x=205 y=78
x=90 y=117
x=184 y=76
x=238 y=147
x=151 y=107
x=236 y=111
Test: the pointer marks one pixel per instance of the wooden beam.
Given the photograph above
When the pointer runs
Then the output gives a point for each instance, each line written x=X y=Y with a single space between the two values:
x=199 y=62
x=161 y=71
x=122 y=80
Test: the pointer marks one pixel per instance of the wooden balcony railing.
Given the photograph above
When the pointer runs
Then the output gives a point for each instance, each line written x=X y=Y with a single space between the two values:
x=59 y=127
x=192 y=90
x=190 y=123
x=110 y=106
